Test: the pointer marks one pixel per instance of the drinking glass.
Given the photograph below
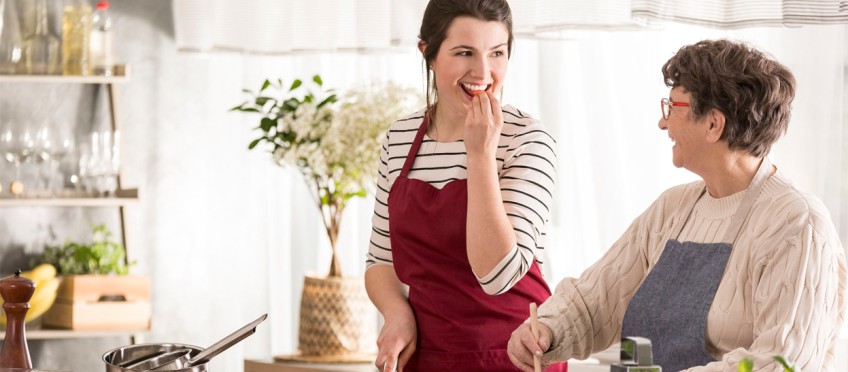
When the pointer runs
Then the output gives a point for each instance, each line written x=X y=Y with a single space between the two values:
x=100 y=162
x=11 y=146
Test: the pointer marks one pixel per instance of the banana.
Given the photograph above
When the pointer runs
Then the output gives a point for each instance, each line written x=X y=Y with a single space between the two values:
x=40 y=273
x=46 y=287
x=43 y=299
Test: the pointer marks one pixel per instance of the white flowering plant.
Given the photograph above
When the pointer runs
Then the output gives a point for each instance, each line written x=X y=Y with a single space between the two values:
x=333 y=141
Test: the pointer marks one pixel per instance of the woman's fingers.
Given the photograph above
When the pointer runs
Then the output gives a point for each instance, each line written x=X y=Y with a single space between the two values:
x=495 y=105
x=387 y=360
x=520 y=364
x=522 y=346
x=404 y=356
x=390 y=366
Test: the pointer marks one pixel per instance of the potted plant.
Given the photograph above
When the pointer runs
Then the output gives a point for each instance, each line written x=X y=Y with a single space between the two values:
x=96 y=292
x=334 y=142
x=747 y=364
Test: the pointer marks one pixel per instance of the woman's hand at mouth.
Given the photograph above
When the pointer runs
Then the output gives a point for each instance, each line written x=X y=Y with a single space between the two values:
x=483 y=125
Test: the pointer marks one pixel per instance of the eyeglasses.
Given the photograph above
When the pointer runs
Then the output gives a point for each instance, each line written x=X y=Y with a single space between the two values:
x=666 y=104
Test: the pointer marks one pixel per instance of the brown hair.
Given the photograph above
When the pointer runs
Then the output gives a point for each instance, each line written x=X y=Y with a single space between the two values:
x=753 y=91
x=438 y=17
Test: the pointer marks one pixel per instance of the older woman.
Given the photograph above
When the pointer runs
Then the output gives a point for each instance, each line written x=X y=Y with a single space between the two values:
x=738 y=265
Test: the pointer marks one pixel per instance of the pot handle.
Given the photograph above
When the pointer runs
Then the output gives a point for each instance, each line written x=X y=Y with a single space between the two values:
x=226 y=342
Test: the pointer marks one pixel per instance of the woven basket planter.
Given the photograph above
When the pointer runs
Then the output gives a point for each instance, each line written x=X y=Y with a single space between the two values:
x=336 y=322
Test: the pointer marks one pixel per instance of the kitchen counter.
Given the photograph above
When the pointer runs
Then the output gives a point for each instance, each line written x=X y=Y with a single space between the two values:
x=270 y=365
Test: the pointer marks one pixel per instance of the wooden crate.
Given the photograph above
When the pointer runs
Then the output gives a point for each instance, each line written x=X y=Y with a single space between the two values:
x=101 y=302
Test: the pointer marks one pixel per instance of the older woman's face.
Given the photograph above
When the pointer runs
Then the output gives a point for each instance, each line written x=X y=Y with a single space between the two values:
x=473 y=57
x=688 y=136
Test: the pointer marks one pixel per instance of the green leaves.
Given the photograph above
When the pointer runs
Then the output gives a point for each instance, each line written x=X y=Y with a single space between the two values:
x=296 y=84
x=747 y=364
x=784 y=363
x=102 y=256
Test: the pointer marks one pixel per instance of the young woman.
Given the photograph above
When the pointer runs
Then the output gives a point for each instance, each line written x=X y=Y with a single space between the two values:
x=464 y=192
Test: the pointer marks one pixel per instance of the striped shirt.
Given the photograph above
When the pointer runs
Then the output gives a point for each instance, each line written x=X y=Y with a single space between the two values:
x=526 y=161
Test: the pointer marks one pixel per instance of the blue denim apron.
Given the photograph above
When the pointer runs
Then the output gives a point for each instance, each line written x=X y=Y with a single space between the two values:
x=671 y=306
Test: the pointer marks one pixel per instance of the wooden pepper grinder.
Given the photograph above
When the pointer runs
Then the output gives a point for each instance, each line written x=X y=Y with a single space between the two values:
x=16 y=292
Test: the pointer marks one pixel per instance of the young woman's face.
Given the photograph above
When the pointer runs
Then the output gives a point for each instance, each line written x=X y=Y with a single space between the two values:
x=473 y=57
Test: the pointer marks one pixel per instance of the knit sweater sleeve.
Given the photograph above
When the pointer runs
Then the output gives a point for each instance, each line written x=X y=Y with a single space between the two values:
x=585 y=313
x=798 y=290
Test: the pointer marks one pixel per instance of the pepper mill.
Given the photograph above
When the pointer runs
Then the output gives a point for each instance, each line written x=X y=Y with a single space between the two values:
x=16 y=292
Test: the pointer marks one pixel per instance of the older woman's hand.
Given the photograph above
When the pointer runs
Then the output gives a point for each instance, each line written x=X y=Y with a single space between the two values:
x=522 y=346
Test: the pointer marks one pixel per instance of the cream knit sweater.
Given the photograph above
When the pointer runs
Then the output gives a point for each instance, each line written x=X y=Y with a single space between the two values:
x=783 y=291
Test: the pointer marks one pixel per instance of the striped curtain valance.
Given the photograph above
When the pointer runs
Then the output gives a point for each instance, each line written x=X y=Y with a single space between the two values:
x=551 y=18
x=729 y=14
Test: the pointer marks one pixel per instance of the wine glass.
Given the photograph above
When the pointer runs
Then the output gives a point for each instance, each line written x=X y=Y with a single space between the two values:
x=12 y=147
x=56 y=142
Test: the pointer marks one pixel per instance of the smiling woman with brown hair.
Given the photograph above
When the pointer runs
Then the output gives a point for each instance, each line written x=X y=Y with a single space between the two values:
x=738 y=265
x=464 y=192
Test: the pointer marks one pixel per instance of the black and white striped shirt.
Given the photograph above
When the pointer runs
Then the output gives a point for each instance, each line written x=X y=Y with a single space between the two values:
x=526 y=159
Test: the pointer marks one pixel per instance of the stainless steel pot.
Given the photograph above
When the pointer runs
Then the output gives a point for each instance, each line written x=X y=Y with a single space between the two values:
x=126 y=355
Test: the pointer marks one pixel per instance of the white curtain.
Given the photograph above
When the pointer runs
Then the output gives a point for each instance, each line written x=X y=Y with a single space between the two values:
x=291 y=26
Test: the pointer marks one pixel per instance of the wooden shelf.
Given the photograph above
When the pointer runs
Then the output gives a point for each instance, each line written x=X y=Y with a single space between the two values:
x=122 y=198
x=121 y=76
x=58 y=334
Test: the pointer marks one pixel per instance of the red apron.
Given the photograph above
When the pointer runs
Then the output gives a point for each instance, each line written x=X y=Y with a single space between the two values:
x=460 y=327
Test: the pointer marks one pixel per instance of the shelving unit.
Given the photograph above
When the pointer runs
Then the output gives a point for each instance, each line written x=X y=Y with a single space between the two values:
x=122 y=198
x=59 y=334
x=120 y=75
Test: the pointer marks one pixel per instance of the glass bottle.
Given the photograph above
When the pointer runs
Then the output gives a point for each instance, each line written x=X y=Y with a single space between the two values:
x=101 y=40
x=41 y=49
x=76 y=31
x=11 y=45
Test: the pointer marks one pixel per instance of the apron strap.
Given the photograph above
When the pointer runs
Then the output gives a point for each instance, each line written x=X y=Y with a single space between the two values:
x=416 y=144
x=678 y=226
x=754 y=189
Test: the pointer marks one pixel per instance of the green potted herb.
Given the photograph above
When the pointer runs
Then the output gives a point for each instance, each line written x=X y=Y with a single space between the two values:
x=96 y=291
x=101 y=257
